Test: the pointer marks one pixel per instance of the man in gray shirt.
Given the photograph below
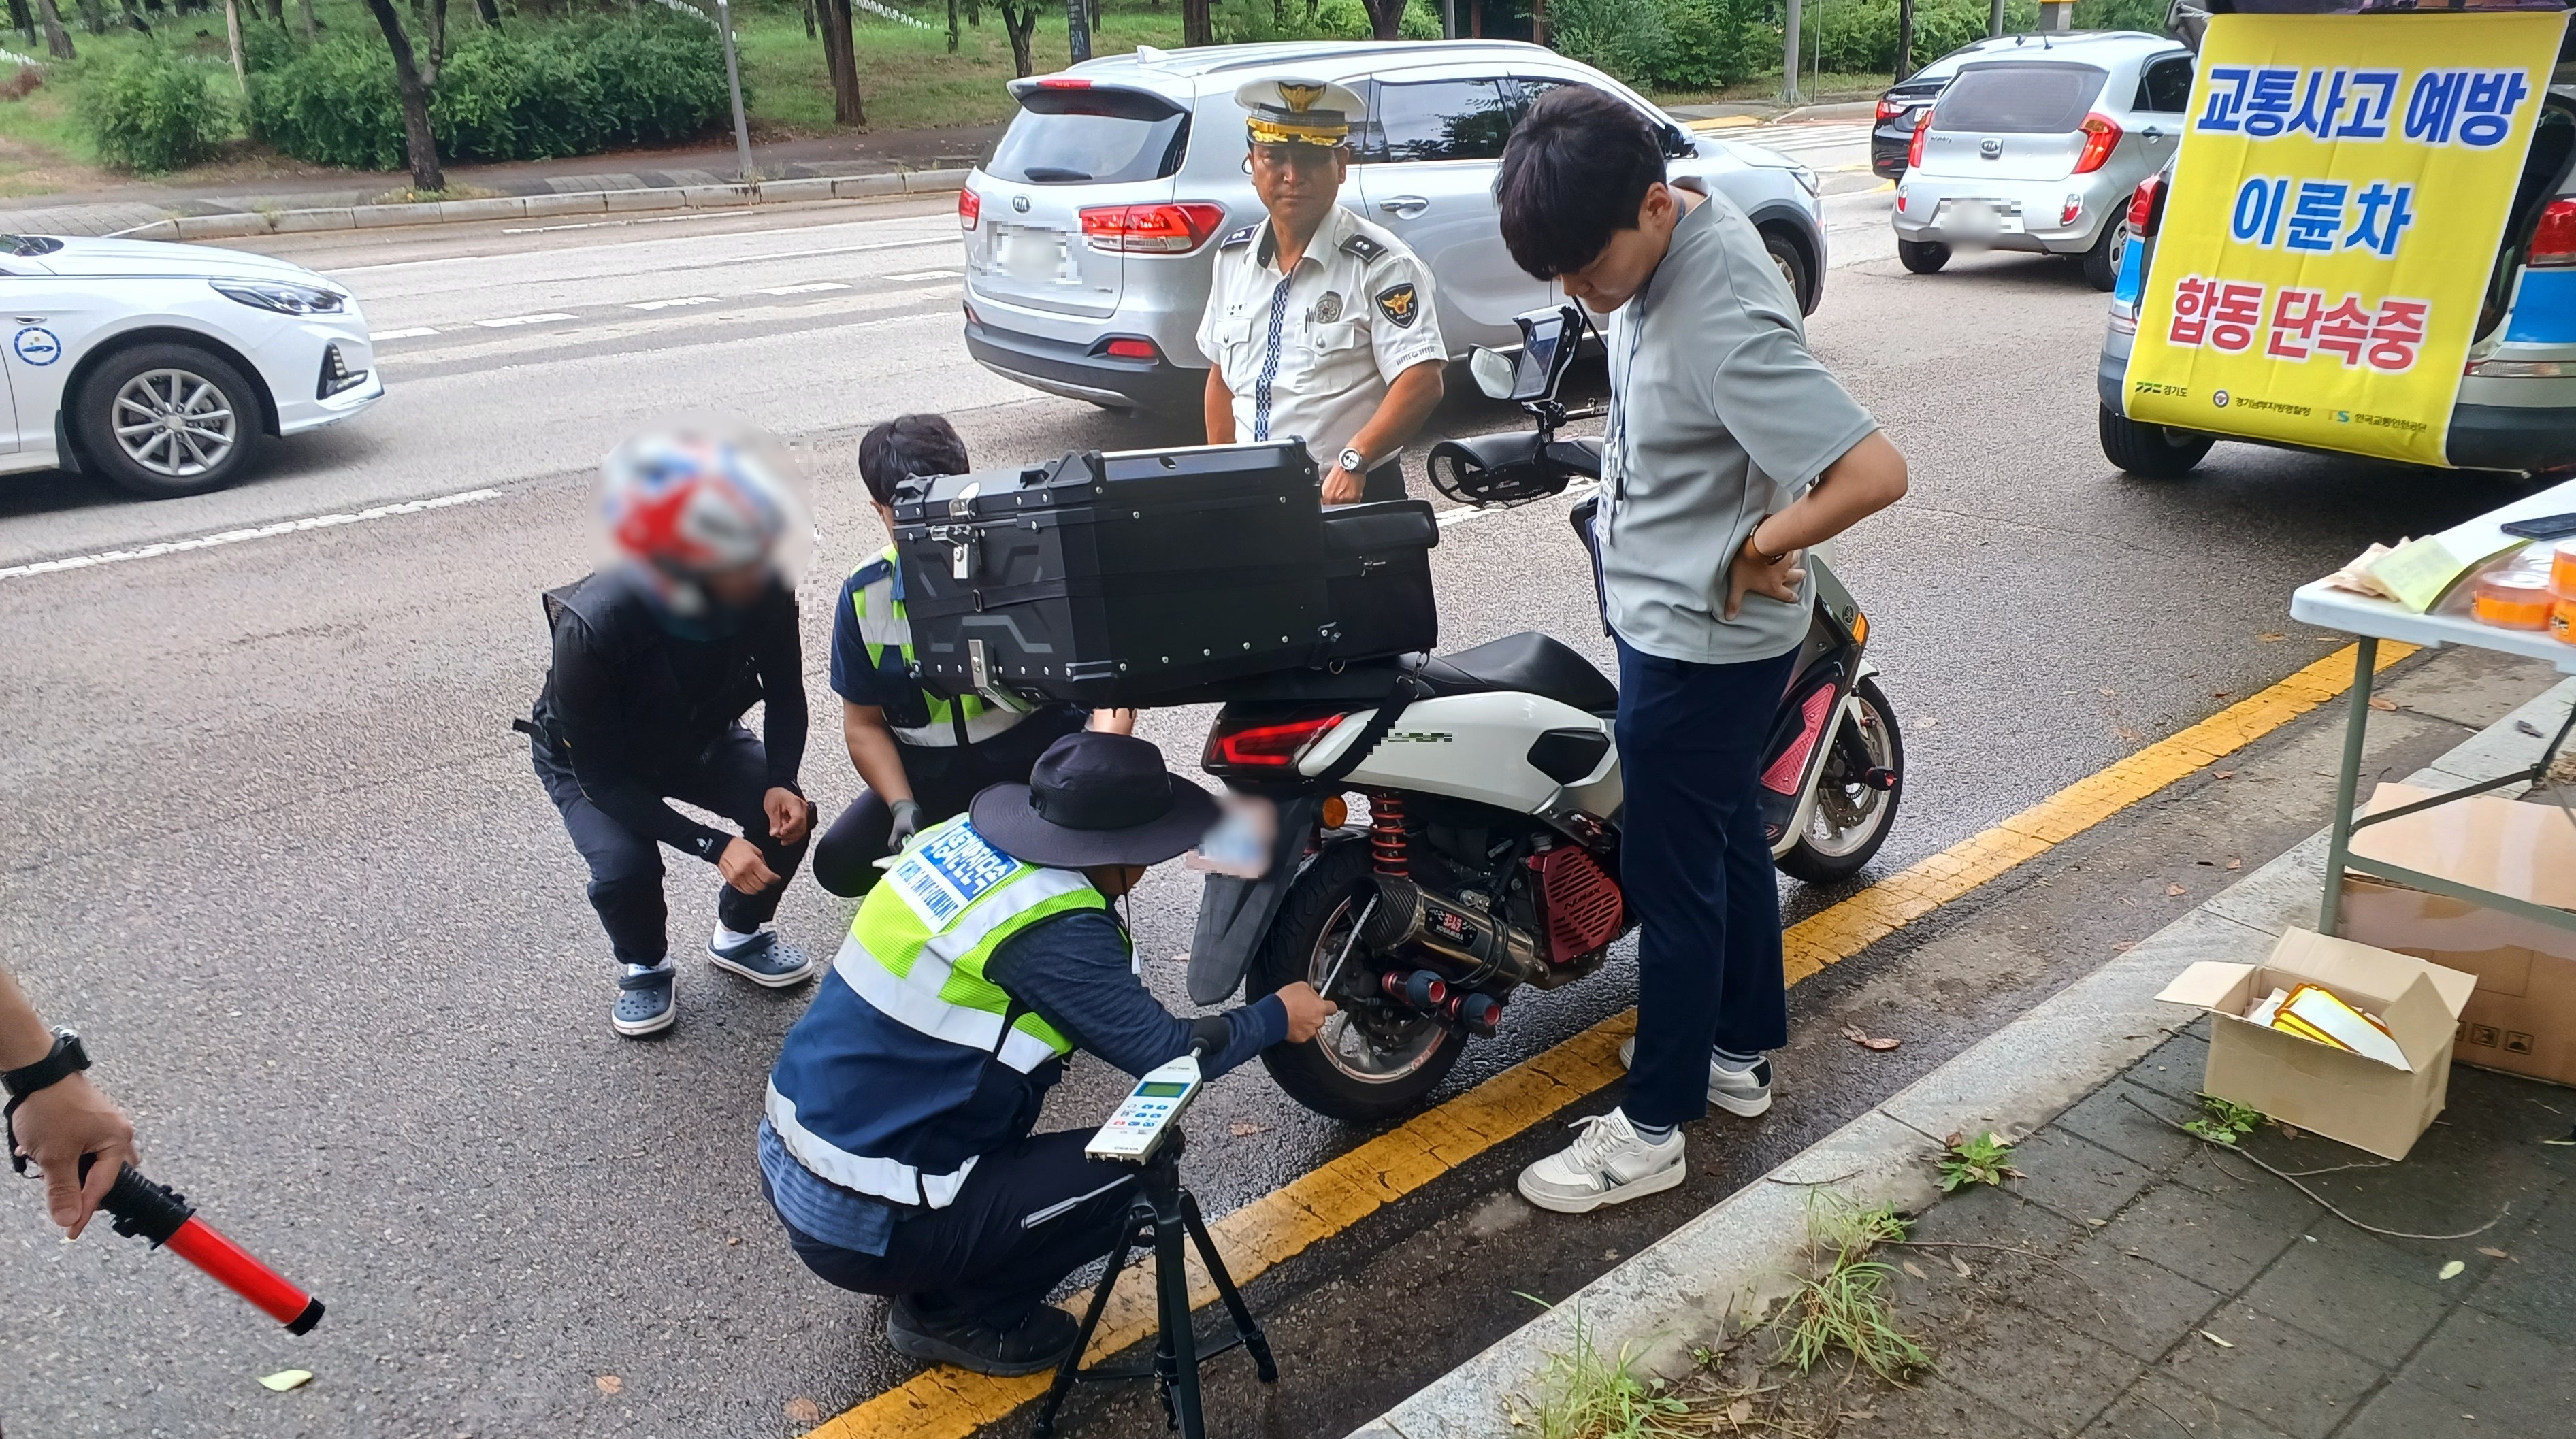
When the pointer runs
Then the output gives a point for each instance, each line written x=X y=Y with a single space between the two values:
x=1729 y=451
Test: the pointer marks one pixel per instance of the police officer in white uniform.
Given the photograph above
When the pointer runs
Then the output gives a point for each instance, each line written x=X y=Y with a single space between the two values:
x=1319 y=324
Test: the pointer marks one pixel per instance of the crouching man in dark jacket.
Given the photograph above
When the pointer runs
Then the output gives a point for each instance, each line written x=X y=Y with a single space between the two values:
x=897 y=1145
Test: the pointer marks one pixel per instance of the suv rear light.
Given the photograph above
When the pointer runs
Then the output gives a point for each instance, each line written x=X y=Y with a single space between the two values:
x=2101 y=137
x=1151 y=229
x=2554 y=243
x=1914 y=147
x=1129 y=348
x=1063 y=82
x=1264 y=746
x=2147 y=206
x=970 y=208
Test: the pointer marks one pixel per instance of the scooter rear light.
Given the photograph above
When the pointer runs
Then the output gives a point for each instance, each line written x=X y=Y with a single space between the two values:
x=2147 y=207
x=1264 y=746
x=2554 y=243
x=1922 y=132
x=2101 y=137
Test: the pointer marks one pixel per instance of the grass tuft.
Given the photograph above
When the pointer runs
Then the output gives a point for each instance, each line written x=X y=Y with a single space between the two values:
x=1845 y=1308
x=1591 y=1395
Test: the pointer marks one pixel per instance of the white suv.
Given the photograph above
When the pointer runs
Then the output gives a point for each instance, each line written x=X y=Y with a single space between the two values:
x=1091 y=233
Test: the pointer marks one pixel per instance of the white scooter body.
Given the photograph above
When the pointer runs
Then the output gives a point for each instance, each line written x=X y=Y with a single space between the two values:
x=1476 y=747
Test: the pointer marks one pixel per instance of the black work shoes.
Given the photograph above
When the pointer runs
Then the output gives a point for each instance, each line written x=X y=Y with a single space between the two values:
x=1036 y=1344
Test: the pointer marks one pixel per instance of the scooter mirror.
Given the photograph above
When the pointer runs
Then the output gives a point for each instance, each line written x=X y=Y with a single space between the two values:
x=1493 y=371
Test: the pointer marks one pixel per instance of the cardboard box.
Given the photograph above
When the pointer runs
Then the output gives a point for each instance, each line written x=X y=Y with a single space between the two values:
x=2523 y=1016
x=2333 y=1092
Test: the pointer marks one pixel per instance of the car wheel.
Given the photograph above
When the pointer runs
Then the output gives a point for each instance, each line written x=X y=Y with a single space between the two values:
x=2150 y=451
x=1792 y=261
x=2102 y=262
x=162 y=421
x=1923 y=257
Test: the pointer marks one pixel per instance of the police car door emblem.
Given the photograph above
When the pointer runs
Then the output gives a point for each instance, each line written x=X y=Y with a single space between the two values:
x=1329 y=308
x=1398 y=306
x=37 y=346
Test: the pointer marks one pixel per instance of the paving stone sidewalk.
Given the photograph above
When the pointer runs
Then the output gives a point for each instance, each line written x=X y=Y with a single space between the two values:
x=2185 y=1292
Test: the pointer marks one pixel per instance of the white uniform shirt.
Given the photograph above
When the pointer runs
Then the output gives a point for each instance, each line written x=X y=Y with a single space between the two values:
x=1311 y=353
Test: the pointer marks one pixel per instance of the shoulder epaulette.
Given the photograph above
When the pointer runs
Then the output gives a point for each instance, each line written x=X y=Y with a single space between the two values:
x=1366 y=249
x=1239 y=237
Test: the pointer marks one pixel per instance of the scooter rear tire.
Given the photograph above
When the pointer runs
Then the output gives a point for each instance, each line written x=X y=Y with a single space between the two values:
x=1338 y=877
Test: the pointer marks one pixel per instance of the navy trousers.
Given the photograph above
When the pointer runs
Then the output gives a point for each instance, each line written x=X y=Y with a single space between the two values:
x=1697 y=872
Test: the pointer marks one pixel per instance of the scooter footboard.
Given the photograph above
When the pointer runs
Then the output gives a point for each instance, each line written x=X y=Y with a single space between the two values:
x=1235 y=913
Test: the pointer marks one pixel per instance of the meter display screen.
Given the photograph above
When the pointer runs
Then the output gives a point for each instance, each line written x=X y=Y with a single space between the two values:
x=1161 y=1089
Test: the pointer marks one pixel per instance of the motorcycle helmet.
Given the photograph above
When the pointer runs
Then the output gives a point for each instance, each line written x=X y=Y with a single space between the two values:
x=688 y=502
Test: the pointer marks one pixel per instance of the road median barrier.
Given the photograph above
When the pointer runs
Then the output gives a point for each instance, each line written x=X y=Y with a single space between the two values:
x=801 y=189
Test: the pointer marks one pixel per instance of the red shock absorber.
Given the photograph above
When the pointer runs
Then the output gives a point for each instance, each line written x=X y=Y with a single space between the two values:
x=1386 y=834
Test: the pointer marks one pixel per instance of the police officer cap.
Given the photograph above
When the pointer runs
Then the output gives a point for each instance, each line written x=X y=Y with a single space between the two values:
x=1291 y=111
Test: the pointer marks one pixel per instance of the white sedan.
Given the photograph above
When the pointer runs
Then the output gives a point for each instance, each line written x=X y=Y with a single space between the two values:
x=163 y=367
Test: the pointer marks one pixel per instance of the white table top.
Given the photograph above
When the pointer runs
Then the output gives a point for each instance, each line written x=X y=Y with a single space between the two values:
x=2448 y=623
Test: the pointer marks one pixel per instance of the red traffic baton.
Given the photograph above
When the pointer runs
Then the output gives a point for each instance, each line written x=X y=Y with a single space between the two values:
x=164 y=1216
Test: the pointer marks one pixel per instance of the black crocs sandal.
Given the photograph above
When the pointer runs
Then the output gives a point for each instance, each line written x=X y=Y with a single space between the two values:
x=644 y=1003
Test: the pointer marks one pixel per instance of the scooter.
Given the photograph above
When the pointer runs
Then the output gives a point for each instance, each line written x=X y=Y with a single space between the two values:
x=1483 y=855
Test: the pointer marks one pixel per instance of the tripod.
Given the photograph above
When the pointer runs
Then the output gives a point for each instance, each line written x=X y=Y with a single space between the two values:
x=1163 y=1212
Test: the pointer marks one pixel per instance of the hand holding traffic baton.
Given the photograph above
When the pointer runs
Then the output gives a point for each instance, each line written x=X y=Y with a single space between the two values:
x=164 y=1216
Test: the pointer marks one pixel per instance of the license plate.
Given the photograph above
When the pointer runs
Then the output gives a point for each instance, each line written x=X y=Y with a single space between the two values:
x=1035 y=255
x=1981 y=217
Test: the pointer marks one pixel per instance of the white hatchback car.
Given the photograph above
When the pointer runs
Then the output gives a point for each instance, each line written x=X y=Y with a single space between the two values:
x=1091 y=233
x=163 y=367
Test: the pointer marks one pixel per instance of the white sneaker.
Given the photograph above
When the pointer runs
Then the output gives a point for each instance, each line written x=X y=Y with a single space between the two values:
x=1606 y=1164
x=1744 y=1092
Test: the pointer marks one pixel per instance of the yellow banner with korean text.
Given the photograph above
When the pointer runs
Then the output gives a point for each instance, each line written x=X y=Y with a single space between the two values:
x=2336 y=210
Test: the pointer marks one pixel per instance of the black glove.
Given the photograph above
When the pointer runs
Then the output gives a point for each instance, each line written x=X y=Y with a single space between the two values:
x=907 y=823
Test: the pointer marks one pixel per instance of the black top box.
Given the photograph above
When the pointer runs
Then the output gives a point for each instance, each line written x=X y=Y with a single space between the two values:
x=1111 y=579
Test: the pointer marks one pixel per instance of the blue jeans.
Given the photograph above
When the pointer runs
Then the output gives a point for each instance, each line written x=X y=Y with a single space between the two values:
x=1697 y=872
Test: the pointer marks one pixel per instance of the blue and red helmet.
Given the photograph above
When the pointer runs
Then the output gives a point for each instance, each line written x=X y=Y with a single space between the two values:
x=691 y=503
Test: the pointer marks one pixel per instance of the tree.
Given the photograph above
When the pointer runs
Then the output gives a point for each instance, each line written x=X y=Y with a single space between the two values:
x=841 y=62
x=1904 y=38
x=1386 y=18
x=952 y=27
x=93 y=18
x=23 y=20
x=1019 y=20
x=489 y=10
x=58 y=41
x=1196 y=27
x=419 y=144
x=304 y=18
x=232 y=40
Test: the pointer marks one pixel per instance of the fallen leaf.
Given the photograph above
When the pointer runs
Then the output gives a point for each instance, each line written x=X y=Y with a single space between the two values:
x=2218 y=694
x=801 y=1410
x=2172 y=889
x=2109 y=693
x=2128 y=734
x=1962 y=1266
x=2226 y=774
x=2527 y=727
x=2451 y=1270
x=2493 y=1253
x=285 y=1379
x=2381 y=704
x=2270 y=635
x=609 y=1383
x=1916 y=1270
x=1241 y=1130
x=1739 y=1411
x=2289 y=1131
x=2236 y=864
x=2098 y=1223
x=2214 y=1339
x=736 y=1239
x=1866 y=1040
x=2124 y=946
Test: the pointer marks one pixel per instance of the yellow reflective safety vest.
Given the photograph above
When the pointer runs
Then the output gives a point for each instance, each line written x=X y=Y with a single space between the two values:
x=876 y=603
x=910 y=1063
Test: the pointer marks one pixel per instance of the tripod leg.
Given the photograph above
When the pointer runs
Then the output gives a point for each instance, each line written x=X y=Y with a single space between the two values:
x=1244 y=1324
x=1173 y=1281
x=1068 y=1371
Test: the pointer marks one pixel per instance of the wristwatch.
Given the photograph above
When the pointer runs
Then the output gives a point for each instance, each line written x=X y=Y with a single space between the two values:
x=1353 y=461
x=64 y=1060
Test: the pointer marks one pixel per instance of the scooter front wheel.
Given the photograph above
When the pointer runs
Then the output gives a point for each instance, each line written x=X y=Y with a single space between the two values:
x=1851 y=816
x=1374 y=1060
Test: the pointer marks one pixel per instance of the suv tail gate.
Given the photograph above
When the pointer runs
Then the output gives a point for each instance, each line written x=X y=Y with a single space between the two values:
x=2533 y=292
x=2012 y=120
x=1074 y=146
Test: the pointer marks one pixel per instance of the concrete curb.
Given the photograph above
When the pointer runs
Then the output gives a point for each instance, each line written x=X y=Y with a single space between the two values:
x=586 y=202
x=1738 y=1258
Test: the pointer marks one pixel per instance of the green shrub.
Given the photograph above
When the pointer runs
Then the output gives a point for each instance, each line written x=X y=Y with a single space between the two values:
x=1858 y=37
x=523 y=94
x=1255 y=22
x=2146 y=15
x=1715 y=43
x=152 y=112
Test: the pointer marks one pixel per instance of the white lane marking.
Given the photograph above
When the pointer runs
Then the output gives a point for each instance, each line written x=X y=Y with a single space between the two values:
x=671 y=304
x=548 y=318
x=922 y=275
x=403 y=264
x=414 y=333
x=641 y=220
x=813 y=287
x=234 y=537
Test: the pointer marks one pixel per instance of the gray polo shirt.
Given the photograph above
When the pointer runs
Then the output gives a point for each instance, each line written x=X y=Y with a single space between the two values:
x=1718 y=417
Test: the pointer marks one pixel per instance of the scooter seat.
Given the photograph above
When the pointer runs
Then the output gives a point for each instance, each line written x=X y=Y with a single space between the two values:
x=1529 y=662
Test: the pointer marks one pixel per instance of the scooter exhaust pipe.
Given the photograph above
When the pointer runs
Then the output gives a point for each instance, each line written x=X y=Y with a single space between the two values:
x=1409 y=914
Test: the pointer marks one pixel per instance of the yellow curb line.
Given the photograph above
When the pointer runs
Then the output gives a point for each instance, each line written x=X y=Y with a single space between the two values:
x=1724 y=122
x=946 y=1403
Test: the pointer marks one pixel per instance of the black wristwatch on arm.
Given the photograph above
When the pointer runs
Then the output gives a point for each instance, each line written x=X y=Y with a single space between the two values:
x=64 y=1060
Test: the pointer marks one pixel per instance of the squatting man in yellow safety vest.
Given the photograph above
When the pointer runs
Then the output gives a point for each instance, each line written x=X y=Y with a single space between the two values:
x=1319 y=325
x=896 y=1147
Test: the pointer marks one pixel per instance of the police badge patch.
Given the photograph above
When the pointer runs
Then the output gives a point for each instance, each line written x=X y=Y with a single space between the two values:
x=1399 y=305
x=1329 y=308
